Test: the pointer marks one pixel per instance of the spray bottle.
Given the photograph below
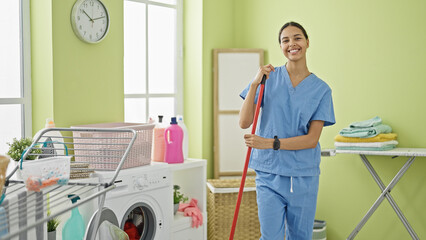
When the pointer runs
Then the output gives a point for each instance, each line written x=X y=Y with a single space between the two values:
x=74 y=227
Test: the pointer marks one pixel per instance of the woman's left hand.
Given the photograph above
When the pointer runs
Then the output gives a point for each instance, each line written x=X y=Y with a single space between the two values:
x=255 y=141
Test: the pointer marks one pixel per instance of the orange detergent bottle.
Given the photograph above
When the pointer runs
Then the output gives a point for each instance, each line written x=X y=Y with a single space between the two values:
x=159 y=144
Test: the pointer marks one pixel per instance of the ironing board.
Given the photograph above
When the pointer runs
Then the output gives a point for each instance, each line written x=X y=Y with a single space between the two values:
x=411 y=153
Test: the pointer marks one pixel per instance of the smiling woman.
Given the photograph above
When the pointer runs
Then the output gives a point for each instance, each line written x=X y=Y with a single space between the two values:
x=286 y=153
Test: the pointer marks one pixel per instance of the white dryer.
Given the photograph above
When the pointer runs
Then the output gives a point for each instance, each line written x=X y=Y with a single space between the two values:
x=143 y=196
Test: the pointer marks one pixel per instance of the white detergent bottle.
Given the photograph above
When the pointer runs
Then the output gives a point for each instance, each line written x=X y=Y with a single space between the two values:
x=185 y=136
x=52 y=142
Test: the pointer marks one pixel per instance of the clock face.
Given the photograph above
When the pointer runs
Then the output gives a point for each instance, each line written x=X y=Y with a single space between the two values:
x=90 y=20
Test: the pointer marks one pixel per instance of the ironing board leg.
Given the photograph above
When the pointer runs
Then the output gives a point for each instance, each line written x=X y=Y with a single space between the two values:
x=385 y=193
x=389 y=197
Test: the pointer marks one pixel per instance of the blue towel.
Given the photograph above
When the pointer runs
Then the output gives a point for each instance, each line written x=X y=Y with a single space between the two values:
x=367 y=123
x=365 y=132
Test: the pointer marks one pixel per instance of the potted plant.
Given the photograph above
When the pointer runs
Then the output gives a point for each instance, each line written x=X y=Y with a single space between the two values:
x=17 y=148
x=178 y=197
x=52 y=224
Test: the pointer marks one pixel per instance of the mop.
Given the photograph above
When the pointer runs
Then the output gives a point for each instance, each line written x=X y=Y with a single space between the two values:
x=243 y=178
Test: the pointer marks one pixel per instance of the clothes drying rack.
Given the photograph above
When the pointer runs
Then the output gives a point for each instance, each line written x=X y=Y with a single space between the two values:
x=411 y=153
x=96 y=144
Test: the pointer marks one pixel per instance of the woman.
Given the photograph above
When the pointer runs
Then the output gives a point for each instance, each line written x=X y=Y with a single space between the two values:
x=286 y=154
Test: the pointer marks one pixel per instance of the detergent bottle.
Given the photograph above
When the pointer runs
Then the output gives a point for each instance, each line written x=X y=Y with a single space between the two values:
x=174 y=137
x=52 y=141
x=185 y=136
x=158 y=141
x=74 y=227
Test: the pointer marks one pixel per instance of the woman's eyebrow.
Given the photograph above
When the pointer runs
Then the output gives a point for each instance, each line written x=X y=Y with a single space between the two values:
x=295 y=35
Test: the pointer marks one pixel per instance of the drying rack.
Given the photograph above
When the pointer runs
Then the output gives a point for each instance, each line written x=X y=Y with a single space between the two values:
x=101 y=144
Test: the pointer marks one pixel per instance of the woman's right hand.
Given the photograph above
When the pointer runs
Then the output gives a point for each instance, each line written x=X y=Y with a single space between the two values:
x=264 y=70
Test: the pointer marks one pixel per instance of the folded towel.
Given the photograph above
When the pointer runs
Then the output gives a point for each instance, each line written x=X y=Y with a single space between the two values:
x=384 y=148
x=382 y=137
x=368 y=144
x=365 y=132
x=367 y=123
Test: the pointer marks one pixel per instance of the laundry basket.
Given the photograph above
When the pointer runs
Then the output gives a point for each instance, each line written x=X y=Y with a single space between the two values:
x=139 y=155
x=320 y=228
x=221 y=200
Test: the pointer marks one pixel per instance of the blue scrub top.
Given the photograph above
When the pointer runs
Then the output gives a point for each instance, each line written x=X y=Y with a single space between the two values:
x=287 y=112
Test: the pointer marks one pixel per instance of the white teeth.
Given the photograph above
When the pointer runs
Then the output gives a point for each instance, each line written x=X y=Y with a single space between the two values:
x=294 y=50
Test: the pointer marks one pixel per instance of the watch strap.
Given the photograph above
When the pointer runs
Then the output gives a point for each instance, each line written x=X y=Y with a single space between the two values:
x=277 y=143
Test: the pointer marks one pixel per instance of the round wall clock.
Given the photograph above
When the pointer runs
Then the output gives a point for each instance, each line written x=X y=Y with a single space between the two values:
x=90 y=20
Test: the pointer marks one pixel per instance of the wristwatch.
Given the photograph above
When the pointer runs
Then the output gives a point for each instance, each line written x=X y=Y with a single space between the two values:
x=277 y=143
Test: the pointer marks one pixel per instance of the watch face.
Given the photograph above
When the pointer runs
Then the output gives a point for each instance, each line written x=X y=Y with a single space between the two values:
x=90 y=20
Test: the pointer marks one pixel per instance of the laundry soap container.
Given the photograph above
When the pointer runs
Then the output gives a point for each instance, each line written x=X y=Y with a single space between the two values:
x=185 y=142
x=174 y=137
x=158 y=141
x=74 y=227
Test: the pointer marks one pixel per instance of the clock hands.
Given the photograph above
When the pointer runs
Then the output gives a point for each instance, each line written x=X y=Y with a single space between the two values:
x=98 y=18
x=88 y=16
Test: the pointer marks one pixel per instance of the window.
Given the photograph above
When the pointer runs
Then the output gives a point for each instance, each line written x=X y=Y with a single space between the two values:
x=152 y=59
x=15 y=82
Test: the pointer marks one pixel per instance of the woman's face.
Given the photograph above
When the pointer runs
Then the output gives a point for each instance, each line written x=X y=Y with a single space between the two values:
x=293 y=43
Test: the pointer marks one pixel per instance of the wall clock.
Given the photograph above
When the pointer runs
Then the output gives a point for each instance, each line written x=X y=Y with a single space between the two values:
x=90 y=20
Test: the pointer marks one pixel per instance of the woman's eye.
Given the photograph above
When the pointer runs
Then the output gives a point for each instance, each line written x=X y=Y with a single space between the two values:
x=298 y=38
x=285 y=41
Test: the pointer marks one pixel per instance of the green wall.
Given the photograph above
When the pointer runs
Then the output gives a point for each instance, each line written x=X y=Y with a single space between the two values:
x=75 y=82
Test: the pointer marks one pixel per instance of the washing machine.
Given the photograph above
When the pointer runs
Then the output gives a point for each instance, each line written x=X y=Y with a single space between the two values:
x=142 y=201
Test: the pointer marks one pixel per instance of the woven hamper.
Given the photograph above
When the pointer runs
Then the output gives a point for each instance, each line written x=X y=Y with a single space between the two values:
x=221 y=200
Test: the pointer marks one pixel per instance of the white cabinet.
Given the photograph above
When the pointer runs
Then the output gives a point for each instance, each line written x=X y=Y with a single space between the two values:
x=191 y=177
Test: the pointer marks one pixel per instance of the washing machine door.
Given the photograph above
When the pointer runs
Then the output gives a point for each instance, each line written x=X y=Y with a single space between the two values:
x=106 y=215
x=140 y=222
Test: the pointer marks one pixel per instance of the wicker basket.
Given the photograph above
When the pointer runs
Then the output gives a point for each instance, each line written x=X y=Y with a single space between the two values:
x=4 y=162
x=221 y=201
x=139 y=155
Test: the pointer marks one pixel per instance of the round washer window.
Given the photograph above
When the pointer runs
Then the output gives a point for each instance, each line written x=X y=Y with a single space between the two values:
x=139 y=221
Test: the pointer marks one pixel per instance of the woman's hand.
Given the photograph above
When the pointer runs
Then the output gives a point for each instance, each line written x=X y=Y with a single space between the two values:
x=255 y=141
x=264 y=70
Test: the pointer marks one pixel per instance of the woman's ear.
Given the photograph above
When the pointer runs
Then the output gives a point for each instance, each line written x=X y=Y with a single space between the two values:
x=307 y=43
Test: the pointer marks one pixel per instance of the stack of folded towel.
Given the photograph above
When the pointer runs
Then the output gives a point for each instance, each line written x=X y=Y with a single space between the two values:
x=368 y=135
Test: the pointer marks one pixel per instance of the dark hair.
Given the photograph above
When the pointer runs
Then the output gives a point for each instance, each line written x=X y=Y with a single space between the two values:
x=294 y=24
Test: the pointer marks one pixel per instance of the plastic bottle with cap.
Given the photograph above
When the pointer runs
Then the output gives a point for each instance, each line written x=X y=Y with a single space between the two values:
x=158 y=146
x=74 y=228
x=185 y=143
x=174 y=137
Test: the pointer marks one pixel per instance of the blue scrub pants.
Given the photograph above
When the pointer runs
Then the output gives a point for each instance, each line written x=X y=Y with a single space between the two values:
x=286 y=204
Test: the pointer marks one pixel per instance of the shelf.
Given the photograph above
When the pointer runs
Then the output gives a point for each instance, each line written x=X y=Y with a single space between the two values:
x=191 y=177
x=188 y=164
x=181 y=222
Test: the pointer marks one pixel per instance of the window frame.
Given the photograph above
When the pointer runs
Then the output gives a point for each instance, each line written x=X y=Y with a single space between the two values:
x=178 y=95
x=25 y=66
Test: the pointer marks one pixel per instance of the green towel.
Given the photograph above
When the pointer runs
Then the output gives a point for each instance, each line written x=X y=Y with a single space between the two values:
x=365 y=132
x=384 y=148
x=367 y=123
